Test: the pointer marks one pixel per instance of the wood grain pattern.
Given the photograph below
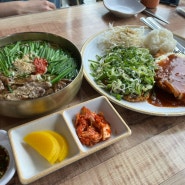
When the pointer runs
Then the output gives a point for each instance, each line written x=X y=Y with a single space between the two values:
x=151 y=162
x=154 y=153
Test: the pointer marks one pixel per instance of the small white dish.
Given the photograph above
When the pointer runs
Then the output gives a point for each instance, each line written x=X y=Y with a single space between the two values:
x=63 y=123
x=4 y=142
x=101 y=104
x=124 y=8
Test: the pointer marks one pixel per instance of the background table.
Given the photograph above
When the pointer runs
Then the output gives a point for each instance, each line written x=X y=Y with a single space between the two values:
x=155 y=152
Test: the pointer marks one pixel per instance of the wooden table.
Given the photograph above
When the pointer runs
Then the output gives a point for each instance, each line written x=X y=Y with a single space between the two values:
x=154 y=153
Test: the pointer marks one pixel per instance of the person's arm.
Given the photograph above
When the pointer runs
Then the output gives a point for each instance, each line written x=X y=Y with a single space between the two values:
x=25 y=7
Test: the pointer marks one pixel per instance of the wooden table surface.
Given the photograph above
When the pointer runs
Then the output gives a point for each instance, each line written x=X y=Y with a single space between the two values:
x=154 y=153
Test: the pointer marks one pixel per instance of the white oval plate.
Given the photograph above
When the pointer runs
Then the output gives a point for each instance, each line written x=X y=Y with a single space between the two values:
x=90 y=50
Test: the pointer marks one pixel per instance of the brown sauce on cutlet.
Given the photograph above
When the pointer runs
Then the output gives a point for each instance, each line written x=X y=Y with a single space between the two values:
x=170 y=88
x=161 y=98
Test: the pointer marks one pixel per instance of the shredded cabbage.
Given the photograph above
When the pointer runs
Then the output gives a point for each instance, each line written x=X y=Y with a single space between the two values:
x=122 y=36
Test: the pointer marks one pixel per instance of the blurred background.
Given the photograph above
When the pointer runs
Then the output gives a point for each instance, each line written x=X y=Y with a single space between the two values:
x=66 y=3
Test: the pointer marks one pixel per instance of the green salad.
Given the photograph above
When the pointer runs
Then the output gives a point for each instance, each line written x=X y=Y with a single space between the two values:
x=126 y=73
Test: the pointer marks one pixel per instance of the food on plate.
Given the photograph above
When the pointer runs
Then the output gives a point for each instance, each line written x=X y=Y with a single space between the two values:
x=32 y=69
x=157 y=41
x=91 y=127
x=160 y=41
x=170 y=75
x=126 y=73
x=126 y=66
x=63 y=144
x=4 y=161
x=49 y=144
x=122 y=36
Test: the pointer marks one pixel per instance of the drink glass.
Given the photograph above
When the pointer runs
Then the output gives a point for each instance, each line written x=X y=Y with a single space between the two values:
x=150 y=3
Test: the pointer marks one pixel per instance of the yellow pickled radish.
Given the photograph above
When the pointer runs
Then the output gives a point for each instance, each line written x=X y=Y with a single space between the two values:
x=63 y=145
x=45 y=144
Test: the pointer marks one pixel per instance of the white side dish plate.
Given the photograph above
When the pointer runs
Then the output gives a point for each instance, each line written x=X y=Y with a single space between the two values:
x=89 y=51
x=124 y=8
x=62 y=122
x=5 y=143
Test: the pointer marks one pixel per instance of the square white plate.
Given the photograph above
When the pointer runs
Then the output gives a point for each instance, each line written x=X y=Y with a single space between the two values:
x=31 y=166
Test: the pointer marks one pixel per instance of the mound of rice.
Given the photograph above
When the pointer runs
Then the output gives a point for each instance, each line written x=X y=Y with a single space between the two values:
x=160 y=41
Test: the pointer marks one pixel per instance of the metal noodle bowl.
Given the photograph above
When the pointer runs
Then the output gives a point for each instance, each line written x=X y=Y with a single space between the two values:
x=49 y=103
